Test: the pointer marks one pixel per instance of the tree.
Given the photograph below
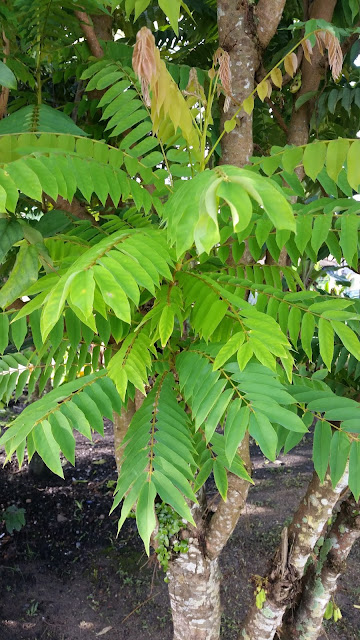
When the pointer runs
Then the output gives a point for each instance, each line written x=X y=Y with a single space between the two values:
x=170 y=274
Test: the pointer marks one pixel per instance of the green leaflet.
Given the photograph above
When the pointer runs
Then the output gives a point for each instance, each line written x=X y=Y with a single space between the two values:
x=353 y=165
x=347 y=336
x=237 y=421
x=349 y=237
x=145 y=513
x=18 y=332
x=47 y=447
x=339 y=454
x=231 y=347
x=321 y=448
x=221 y=479
x=314 y=159
x=261 y=429
x=23 y=274
x=335 y=157
x=4 y=331
x=326 y=338
x=166 y=324
x=307 y=333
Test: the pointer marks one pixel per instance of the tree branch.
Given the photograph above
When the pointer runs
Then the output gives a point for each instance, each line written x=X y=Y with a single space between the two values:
x=89 y=33
x=268 y=15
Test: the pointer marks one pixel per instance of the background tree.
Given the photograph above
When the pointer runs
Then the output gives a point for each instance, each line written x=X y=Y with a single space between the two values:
x=154 y=265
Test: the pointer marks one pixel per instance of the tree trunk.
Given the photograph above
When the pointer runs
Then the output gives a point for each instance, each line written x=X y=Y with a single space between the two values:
x=194 y=589
x=321 y=579
x=283 y=581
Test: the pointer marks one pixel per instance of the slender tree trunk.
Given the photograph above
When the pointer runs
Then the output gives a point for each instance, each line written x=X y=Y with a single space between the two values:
x=321 y=579
x=283 y=581
x=311 y=76
x=194 y=589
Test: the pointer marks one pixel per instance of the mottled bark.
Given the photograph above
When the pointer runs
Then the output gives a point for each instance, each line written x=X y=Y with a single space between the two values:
x=194 y=589
x=321 y=578
x=287 y=569
x=237 y=36
x=224 y=520
x=311 y=76
x=268 y=15
x=244 y=30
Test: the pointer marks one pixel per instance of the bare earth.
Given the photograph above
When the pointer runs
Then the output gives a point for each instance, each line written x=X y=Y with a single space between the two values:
x=65 y=575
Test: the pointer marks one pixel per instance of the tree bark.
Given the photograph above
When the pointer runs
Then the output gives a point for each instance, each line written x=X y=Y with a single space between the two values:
x=237 y=36
x=283 y=581
x=311 y=76
x=194 y=589
x=321 y=579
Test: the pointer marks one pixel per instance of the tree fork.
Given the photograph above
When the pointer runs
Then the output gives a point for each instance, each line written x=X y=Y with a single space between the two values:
x=321 y=578
x=283 y=580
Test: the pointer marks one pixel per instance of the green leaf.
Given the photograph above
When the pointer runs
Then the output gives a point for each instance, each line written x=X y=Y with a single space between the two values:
x=321 y=448
x=18 y=332
x=231 y=346
x=114 y=296
x=322 y=225
x=307 y=333
x=336 y=155
x=23 y=274
x=244 y=354
x=171 y=8
x=314 y=159
x=7 y=78
x=354 y=470
x=145 y=513
x=81 y=292
x=221 y=479
x=47 y=447
x=347 y=336
x=166 y=324
x=63 y=435
x=326 y=339
x=261 y=429
x=339 y=453
x=353 y=165
x=171 y=495
x=4 y=331
x=239 y=203
x=25 y=179
x=349 y=237
x=237 y=421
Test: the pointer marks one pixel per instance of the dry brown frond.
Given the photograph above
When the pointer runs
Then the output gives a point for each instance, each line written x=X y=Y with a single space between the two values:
x=223 y=59
x=144 y=60
x=333 y=47
x=307 y=48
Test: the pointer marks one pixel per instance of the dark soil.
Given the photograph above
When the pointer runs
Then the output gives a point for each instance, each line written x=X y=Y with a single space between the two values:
x=65 y=575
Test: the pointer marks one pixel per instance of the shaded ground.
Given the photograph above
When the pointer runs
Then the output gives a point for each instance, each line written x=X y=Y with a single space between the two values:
x=65 y=576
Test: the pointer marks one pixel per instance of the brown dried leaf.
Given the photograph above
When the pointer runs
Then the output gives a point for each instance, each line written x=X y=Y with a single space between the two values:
x=222 y=58
x=144 y=60
x=290 y=64
x=307 y=48
x=335 y=54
